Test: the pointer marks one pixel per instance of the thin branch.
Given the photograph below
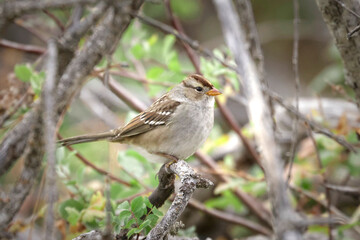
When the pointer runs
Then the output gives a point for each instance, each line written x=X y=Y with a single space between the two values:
x=230 y=218
x=344 y=189
x=55 y=19
x=22 y=47
x=295 y=63
x=352 y=32
x=14 y=109
x=177 y=25
x=254 y=205
x=49 y=136
x=314 y=126
x=93 y=166
x=12 y=9
x=124 y=95
x=348 y=9
x=323 y=176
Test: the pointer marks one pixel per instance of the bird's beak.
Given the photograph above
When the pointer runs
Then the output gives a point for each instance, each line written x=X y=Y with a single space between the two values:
x=213 y=92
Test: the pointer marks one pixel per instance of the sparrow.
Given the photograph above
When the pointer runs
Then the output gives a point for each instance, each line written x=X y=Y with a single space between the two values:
x=173 y=127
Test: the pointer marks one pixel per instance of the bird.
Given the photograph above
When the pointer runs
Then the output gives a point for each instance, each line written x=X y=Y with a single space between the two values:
x=172 y=128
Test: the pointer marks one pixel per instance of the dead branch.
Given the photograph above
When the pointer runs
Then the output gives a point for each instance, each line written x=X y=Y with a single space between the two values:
x=22 y=47
x=284 y=217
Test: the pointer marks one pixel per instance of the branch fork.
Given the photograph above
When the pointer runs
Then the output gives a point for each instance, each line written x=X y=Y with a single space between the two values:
x=189 y=181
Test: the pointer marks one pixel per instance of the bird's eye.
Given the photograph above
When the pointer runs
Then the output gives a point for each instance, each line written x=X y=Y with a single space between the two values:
x=199 y=89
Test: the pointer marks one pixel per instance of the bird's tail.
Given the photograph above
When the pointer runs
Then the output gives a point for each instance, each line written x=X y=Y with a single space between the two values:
x=86 y=138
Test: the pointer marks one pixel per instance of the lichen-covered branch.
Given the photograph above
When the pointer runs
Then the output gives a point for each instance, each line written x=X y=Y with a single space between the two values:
x=340 y=18
x=189 y=182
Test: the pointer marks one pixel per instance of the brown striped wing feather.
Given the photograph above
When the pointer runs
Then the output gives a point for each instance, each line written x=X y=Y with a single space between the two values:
x=158 y=114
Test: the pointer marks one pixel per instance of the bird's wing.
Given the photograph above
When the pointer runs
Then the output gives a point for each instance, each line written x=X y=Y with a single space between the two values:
x=159 y=113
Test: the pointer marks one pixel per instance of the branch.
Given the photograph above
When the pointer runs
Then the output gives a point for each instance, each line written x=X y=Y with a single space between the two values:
x=230 y=218
x=189 y=182
x=97 y=169
x=49 y=136
x=252 y=203
x=341 y=16
x=22 y=47
x=12 y=9
x=284 y=216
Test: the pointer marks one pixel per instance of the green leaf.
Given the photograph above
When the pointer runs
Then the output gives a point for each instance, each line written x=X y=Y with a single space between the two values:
x=138 y=51
x=132 y=232
x=154 y=73
x=144 y=224
x=23 y=72
x=147 y=202
x=71 y=203
x=153 y=219
x=167 y=45
x=174 y=64
x=157 y=212
x=137 y=203
x=129 y=223
x=36 y=81
x=139 y=213
x=73 y=215
x=123 y=206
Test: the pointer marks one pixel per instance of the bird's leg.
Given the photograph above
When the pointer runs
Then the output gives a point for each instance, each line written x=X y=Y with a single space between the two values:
x=170 y=157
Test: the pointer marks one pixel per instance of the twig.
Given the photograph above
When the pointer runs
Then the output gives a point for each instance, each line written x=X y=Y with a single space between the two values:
x=189 y=182
x=32 y=30
x=192 y=43
x=49 y=136
x=344 y=189
x=230 y=218
x=295 y=63
x=314 y=126
x=324 y=203
x=22 y=47
x=253 y=204
x=14 y=109
x=348 y=9
x=352 y=32
x=323 y=175
x=12 y=9
x=90 y=164
x=56 y=19
x=124 y=95
x=98 y=108
x=229 y=117
x=177 y=25
x=284 y=217
x=136 y=77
